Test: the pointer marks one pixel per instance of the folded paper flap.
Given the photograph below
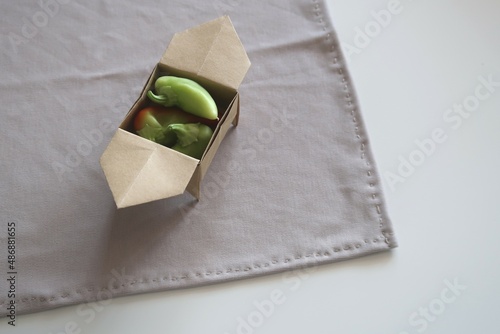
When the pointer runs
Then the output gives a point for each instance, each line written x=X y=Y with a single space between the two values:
x=212 y=50
x=140 y=171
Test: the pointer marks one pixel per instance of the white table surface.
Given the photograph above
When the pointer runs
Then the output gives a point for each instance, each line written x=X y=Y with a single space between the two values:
x=412 y=72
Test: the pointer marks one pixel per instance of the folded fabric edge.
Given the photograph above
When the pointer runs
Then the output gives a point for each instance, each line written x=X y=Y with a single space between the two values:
x=167 y=282
x=339 y=67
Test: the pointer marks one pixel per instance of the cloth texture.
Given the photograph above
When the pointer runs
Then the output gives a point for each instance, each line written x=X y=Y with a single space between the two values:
x=293 y=185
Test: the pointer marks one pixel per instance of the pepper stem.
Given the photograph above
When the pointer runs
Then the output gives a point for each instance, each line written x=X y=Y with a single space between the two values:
x=160 y=99
x=186 y=133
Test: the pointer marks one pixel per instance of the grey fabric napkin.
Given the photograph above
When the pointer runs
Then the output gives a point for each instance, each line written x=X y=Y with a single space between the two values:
x=295 y=184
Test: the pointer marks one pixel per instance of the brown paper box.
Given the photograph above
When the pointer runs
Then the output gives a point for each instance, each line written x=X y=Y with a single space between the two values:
x=139 y=170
